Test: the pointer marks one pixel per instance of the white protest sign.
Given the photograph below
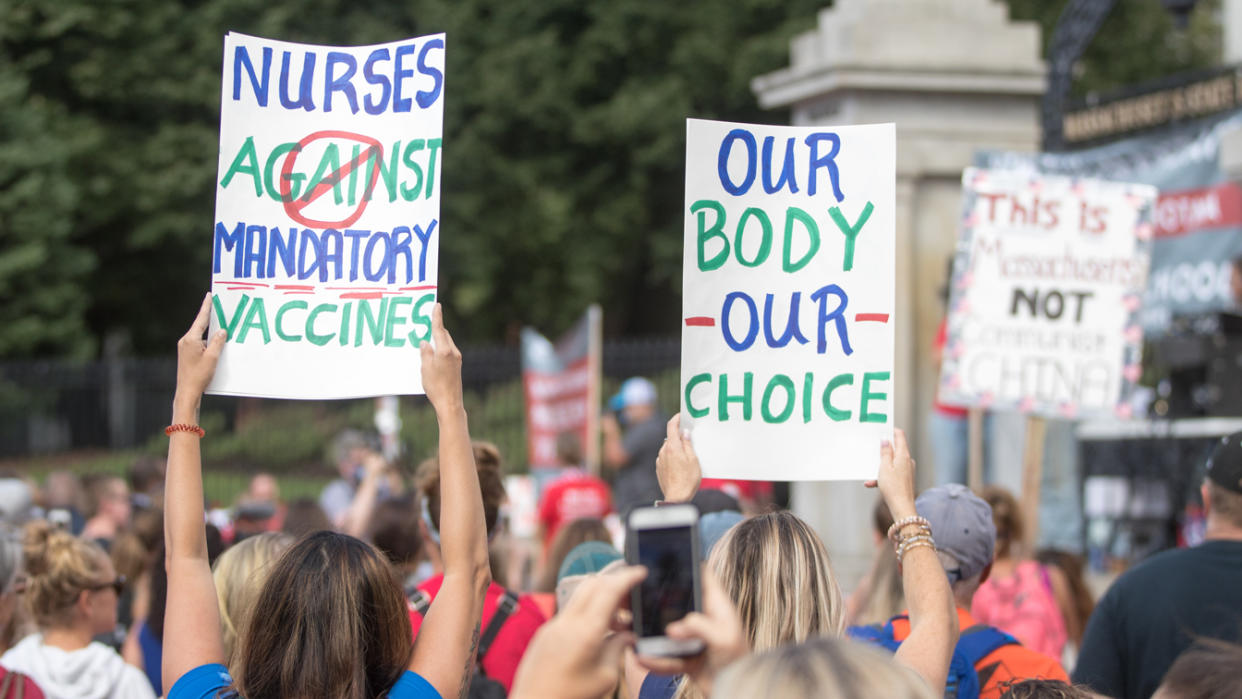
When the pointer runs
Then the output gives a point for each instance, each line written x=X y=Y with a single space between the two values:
x=1047 y=286
x=326 y=235
x=787 y=344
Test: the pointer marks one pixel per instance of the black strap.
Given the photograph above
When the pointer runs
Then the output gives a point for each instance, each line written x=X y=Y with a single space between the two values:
x=421 y=602
x=505 y=608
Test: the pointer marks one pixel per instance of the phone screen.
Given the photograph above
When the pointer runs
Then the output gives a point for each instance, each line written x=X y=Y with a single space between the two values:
x=667 y=593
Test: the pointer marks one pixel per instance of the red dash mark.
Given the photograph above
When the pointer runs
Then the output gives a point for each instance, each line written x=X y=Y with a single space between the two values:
x=294 y=207
x=700 y=322
x=418 y=288
x=296 y=287
x=363 y=295
x=871 y=318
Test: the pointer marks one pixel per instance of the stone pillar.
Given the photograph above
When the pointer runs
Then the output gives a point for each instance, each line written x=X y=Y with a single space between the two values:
x=956 y=76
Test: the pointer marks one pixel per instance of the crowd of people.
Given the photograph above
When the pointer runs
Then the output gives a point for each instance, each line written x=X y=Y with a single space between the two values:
x=395 y=584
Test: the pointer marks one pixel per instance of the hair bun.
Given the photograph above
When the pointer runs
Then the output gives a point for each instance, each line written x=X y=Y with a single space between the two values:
x=40 y=539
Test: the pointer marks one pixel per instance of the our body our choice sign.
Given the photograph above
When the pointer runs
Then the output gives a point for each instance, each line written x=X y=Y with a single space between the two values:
x=326 y=234
x=788 y=293
x=1046 y=293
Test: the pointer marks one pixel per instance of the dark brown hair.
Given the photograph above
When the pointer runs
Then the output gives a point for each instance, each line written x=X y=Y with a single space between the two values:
x=334 y=624
x=567 y=538
x=303 y=517
x=394 y=529
x=1208 y=670
x=491 y=483
x=1071 y=566
x=1008 y=520
x=1044 y=689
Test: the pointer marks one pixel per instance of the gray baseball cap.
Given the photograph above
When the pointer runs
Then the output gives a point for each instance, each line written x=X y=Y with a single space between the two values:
x=961 y=524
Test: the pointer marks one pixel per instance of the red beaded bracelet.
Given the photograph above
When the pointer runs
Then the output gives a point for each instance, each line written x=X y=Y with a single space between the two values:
x=182 y=427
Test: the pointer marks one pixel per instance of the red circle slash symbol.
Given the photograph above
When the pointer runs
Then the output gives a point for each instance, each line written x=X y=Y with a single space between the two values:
x=294 y=207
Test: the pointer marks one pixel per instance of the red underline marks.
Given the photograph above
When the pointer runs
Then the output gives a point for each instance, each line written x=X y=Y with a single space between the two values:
x=870 y=317
x=356 y=288
x=700 y=322
x=299 y=287
x=363 y=295
x=295 y=293
x=418 y=288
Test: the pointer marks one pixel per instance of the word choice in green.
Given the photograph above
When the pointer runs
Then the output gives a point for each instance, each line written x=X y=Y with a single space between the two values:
x=734 y=397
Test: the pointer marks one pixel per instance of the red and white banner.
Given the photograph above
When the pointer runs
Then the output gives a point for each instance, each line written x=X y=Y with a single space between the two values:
x=561 y=384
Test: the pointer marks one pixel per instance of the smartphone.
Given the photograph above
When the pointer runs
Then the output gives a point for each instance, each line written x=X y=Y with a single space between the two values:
x=666 y=541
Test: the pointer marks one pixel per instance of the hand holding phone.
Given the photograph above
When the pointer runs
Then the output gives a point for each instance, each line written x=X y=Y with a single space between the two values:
x=665 y=540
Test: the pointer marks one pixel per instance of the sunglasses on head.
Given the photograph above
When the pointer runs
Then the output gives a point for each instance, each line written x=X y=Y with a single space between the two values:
x=117 y=585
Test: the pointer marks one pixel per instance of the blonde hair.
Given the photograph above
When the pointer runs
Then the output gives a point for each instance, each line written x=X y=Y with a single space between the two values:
x=59 y=567
x=776 y=571
x=239 y=575
x=821 y=667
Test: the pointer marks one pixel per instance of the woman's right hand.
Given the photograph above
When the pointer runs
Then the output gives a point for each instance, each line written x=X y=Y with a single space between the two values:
x=896 y=477
x=196 y=359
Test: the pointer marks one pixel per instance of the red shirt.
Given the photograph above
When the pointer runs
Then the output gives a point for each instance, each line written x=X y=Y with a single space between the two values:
x=506 y=651
x=574 y=495
x=742 y=491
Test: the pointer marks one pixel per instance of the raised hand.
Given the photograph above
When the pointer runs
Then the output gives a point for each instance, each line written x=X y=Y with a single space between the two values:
x=677 y=466
x=441 y=367
x=896 y=477
x=196 y=358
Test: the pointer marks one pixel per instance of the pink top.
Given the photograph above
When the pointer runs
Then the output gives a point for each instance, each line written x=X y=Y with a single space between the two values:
x=1024 y=606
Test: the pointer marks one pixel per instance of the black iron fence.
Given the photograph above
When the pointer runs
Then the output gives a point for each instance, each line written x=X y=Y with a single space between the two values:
x=57 y=407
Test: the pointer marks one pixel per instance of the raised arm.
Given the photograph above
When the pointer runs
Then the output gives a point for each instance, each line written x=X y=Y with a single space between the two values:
x=192 y=619
x=449 y=636
x=933 y=615
x=358 y=516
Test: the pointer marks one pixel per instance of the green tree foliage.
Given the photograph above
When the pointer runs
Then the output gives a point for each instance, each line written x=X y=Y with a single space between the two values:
x=563 y=160
x=1138 y=42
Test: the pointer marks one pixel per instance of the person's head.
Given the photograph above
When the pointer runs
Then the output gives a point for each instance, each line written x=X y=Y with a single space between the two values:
x=1044 y=689
x=820 y=667
x=146 y=476
x=1007 y=518
x=335 y=624
x=395 y=531
x=491 y=483
x=303 y=517
x=1222 y=489
x=239 y=574
x=778 y=551
x=63 y=489
x=584 y=561
x=16 y=499
x=347 y=451
x=569 y=449
x=638 y=398
x=1208 y=670
x=567 y=539
x=961 y=524
x=108 y=497
x=263 y=488
x=71 y=583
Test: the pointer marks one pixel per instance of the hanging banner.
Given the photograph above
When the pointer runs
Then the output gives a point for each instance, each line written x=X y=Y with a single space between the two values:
x=1047 y=286
x=1198 y=223
x=326 y=236
x=561 y=385
x=788 y=292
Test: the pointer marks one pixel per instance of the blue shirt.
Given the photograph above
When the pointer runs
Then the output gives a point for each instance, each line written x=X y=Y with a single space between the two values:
x=207 y=681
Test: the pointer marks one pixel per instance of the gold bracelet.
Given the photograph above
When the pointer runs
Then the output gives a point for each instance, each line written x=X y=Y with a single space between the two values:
x=905 y=522
x=913 y=545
